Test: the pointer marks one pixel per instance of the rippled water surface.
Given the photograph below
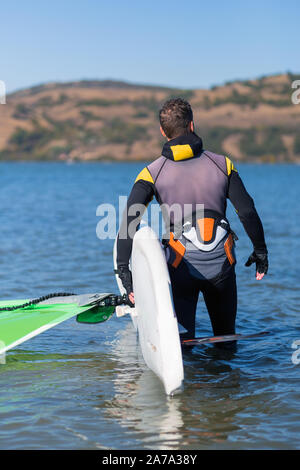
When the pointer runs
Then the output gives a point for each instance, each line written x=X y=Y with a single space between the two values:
x=84 y=387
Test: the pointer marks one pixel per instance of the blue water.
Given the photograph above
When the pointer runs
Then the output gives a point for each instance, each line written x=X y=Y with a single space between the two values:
x=86 y=387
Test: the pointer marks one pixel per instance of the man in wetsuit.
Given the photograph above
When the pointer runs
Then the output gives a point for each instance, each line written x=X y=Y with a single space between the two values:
x=200 y=243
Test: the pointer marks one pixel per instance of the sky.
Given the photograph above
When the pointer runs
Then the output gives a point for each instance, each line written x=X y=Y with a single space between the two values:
x=185 y=44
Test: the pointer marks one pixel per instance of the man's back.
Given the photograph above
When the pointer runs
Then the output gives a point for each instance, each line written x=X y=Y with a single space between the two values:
x=187 y=175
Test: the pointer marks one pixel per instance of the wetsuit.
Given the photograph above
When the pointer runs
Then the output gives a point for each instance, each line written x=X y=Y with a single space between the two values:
x=187 y=175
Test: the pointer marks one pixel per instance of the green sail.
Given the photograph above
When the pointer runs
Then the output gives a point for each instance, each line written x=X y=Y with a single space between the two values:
x=19 y=325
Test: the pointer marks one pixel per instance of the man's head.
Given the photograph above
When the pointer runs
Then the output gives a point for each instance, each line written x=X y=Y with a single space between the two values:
x=176 y=118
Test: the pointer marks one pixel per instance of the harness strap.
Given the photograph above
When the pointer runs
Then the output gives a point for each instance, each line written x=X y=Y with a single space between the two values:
x=178 y=248
x=228 y=245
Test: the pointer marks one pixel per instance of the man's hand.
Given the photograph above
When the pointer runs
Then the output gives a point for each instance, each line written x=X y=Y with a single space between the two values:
x=262 y=264
x=131 y=298
x=126 y=279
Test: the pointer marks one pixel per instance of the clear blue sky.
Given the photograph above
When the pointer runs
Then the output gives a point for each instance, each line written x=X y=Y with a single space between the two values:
x=187 y=44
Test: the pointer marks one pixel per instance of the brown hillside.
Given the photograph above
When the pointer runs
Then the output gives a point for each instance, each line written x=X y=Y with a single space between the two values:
x=97 y=120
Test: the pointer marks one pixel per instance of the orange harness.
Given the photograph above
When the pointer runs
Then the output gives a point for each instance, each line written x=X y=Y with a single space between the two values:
x=178 y=248
x=207 y=228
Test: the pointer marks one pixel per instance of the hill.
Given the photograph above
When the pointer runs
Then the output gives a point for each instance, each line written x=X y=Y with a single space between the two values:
x=107 y=120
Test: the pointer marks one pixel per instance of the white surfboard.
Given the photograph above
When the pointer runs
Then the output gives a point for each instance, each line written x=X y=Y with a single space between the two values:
x=154 y=315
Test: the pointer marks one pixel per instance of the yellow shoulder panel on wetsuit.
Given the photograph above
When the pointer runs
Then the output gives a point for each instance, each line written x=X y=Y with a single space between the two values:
x=230 y=166
x=145 y=175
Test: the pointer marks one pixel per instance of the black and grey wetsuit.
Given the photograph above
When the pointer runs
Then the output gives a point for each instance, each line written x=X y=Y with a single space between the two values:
x=186 y=175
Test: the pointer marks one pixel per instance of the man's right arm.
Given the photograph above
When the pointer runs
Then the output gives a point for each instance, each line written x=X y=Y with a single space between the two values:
x=141 y=195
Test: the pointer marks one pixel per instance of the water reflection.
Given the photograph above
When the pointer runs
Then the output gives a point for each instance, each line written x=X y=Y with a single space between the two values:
x=163 y=422
x=139 y=399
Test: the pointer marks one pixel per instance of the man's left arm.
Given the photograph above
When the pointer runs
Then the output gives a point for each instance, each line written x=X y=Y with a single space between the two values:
x=246 y=211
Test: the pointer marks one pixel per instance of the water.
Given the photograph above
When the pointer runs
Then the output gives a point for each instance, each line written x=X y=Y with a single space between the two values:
x=86 y=387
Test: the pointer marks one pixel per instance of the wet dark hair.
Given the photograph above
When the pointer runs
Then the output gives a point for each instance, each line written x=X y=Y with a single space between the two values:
x=175 y=117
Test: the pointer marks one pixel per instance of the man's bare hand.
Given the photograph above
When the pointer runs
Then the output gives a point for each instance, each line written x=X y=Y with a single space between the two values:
x=131 y=297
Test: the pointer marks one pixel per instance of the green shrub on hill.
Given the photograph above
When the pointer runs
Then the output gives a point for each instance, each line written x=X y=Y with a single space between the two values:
x=26 y=141
x=149 y=104
x=48 y=101
x=88 y=116
x=121 y=132
x=101 y=102
x=22 y=111
x=141 y=114
x=251 y=100
x=53 y=153
x=45 y=101
x=257 y=143
x=297 y=144
x=213 y=138
x=254 y=99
